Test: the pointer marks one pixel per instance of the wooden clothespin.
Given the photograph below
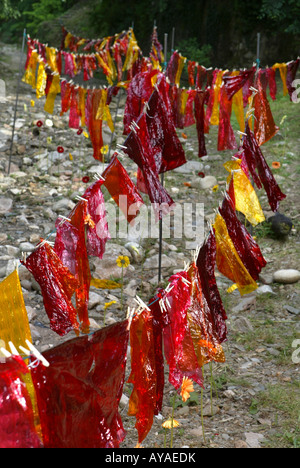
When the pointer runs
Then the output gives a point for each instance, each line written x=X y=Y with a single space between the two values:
x=35 y=352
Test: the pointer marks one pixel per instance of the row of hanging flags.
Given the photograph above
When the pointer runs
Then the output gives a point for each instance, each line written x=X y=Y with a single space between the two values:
x=74 y=401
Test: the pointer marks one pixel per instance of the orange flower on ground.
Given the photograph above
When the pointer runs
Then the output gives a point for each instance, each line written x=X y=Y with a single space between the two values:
x=170 y=423
x=184 y=136
x=88 y=220
x=186 y=389
x=276 y=165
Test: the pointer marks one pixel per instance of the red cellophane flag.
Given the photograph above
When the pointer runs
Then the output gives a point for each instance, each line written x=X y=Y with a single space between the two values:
x=143 y=402
x=138 y=93
x=200 y=98
x=57 y=287
x=202 y=324
x=168 y=150
x=160 y=321
x=264 y=125
x=16 y=414
x=138 y=148
x=234 y=83
x=206 y=264
x=79 y=393
x=226 y=137
x=95 y=220
x=94 y=126
x=122 y=189
x=178 y=344
x=78 y=217
x=255 y=160
x=244 y=243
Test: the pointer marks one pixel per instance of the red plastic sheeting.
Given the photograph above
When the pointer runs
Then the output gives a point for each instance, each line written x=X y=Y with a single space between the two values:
x=178 y=344
x=143 y=402
x=16 y=414
x=206 y=264
x=79 y=394
x=122 y=189
x=57 y=287
x=256 y=161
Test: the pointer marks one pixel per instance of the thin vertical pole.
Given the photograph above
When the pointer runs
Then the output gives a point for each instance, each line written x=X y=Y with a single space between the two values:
x=173 y=40
x=258 y=51
x=162 y=180
x=16 y=104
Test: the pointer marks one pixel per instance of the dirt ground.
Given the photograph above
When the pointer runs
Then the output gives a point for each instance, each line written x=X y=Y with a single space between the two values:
x=253 y=399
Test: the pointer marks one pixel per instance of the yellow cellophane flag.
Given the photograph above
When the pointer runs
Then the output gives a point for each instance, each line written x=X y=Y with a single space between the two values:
x=30 y=73
x=283 y=74
x=51 y=54
x=14 y=327
x=181 y=63
x=246 y=200
x=214 y=120
x=238 y=106
x=51 y=96
x=229 y=262
x=41 y=81
x=103 y=112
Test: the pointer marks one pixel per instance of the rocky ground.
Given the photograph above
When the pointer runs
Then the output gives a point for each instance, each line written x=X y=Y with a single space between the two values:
x=255 y=397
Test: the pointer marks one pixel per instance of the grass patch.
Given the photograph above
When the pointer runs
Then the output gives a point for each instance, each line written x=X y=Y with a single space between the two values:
x=282 y=400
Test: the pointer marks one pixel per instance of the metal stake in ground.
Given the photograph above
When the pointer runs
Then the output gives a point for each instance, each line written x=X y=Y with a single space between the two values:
x=16 y=105
x=162 y=183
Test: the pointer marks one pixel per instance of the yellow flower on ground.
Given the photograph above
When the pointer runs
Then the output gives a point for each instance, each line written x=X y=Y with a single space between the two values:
x=71 y=157
x=186 y=389
x=123 y=261
x=104 y=149
x=108 y=304
x=86 y=135
x=168 y=424
x=32 y=103
x=215 y=188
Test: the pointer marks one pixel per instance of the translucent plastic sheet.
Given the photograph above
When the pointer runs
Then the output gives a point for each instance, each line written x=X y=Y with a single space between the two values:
x=122 y=189
x=255 y=160
x=14 y=325
x=93 y=102
x=292 y=68
x=97 y=233
x=138 y=93
x=57 y=287
x=159 y=322
x=282 y=67
x=142 y=403
x=233 y=83
x=200 y=99
x=74 y=118
x=244 y=243
x=243 y=193
x=206 y=264
x=168 y=150
x=202 y=324
x=54 y=90
x=31 y=66
x=83 y=273
x=41 y=81
x=264 y=124
x=178 y=344
x=226 y=136
x=17 y=428
x=228 y=260
x=79 y=393
x=138 y=148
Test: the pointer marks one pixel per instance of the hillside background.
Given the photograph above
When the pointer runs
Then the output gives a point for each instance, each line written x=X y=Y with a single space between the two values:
x=218 y=33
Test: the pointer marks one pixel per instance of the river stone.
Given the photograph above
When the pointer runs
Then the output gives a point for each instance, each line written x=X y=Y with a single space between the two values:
x=286 y=276
x=5 y=205
x=204 y=184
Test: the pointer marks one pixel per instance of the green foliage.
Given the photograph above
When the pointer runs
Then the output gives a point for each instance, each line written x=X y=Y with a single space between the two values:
x=282 y=12
x=191 y=49
x=7 y=11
